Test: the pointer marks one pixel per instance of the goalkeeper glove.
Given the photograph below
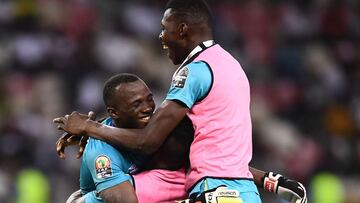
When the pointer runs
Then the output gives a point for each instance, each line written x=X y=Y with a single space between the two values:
x=287 y=189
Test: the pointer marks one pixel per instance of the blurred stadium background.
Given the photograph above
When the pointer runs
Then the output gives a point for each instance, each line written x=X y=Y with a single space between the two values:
x=302 y=59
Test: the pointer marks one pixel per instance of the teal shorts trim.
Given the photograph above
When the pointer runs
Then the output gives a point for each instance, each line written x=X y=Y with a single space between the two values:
x=247 y=188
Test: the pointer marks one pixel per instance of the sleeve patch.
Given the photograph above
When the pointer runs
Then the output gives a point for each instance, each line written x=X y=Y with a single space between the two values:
x=179 y=78
x=103 y=167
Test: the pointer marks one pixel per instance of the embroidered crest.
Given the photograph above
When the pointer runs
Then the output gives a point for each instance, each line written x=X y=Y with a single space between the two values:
x=179 y=78
x=103 y=167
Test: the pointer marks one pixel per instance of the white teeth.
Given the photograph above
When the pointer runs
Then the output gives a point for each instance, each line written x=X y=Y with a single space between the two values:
x=145 y=119
x=165 y=47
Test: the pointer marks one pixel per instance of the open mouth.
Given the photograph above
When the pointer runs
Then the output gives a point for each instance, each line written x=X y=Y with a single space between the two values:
x=165 y=47
x=145 y=119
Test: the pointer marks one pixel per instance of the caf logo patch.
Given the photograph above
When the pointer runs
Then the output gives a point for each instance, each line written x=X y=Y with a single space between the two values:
x=103 y=167
x=180 y=77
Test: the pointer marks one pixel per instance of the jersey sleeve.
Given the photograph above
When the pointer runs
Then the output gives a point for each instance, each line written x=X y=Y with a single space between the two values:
x=86 y=181
x=92 y=198
x=190 y=83
x=107 y=166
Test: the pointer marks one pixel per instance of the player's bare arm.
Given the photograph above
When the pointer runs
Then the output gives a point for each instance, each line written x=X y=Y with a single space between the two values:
x=146 y=140
x=123 y=192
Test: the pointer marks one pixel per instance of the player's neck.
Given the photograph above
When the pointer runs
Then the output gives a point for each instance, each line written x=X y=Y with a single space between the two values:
x=196 y=40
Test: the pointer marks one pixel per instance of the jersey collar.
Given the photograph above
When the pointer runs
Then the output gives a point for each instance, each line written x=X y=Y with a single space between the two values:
x=197 y=50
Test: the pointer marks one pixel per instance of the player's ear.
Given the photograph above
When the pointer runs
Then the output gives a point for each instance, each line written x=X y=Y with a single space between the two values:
x=183 y=29
x=112 y=112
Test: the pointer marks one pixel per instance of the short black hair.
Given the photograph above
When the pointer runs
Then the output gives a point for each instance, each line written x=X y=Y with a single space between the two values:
x=197 y=10
x=113 y=82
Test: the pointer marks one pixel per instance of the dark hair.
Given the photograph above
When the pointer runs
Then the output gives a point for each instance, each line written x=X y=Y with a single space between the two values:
x=197 y=10
x=113 y=82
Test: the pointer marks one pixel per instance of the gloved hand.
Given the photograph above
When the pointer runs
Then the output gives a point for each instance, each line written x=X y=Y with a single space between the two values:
x=287 y=189
x=76 y=197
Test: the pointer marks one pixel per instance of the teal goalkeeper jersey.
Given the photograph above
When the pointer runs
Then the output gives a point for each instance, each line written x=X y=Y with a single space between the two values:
x=103 y=167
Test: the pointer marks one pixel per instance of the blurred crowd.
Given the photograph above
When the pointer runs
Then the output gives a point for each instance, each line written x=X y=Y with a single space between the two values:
x=302 y=59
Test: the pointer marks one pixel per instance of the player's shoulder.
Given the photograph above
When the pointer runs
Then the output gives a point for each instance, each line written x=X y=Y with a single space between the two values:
x=96 y=147
x=99 y=145
x=198 y=64
x=199 y=70
x=194 y=69
x=95 y=144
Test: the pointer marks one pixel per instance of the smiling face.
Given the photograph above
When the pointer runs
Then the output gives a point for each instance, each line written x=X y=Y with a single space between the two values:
x=173 y=37
x=132 y=105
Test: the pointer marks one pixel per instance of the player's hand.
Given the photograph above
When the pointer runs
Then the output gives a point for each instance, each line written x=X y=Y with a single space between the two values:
x=287 y=189
x=65 y=140
x=69 y=140
x=82 y=145
x=75 y=123
x=83 y=140
x=76 y=197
